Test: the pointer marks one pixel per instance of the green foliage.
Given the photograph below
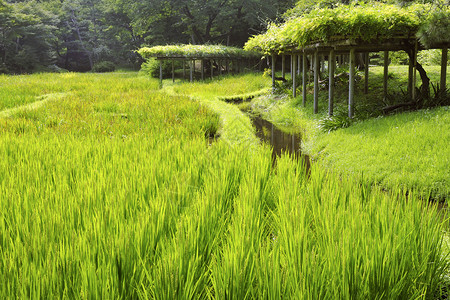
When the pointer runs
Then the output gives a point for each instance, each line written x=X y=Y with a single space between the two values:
x=104 y=66
x=197 y=52
x=367 y=22
x=117 y=194
x=151 y=67
x=339 y=120
x=435 y=30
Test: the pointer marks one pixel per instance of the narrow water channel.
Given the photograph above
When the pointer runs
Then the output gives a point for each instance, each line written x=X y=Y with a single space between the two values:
x=280 y=141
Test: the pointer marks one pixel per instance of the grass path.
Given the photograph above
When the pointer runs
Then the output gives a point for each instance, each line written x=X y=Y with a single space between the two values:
x=236 y=127
x=40 y=101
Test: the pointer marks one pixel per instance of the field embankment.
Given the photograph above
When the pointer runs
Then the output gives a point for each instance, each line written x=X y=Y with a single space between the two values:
x=408 y=150
x=113 y=191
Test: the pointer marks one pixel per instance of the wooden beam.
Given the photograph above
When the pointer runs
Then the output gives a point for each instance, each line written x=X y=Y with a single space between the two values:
x=331 y=68
x=304 y=70
x=366 y=73
x=294 y=83
x=351 y=83
x=316 y=82
x=444 y=68
x=283 y=69
x=385 y=74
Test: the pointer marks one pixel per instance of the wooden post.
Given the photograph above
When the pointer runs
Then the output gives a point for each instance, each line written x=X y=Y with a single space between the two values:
x=410 y=77
x=366 y=73
x=202 y=71
x=385 y=74
x=160 y=73
x=191 y=70
x=283 y=69
x=173 y=71
x=316 y=82
x=331 y=68
x=184 y=69
x=211 y=63
x=444 y=69
x=413 y=91
x=351 y=83
x=304 y=70
x=294 y=83
x=273 y=70
x=293 y=67
x=322 y=63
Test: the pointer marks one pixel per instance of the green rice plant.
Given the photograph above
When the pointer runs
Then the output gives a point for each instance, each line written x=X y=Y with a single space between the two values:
x=112 y=191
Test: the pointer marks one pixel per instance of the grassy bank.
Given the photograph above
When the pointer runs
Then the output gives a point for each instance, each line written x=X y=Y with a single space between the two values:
x=112 y=190
x=408 y=150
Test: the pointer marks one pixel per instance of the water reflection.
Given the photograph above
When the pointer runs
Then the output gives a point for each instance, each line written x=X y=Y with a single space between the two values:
x=280 y=141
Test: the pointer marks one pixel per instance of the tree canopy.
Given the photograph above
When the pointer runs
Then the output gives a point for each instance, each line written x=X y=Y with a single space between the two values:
x=77 y=34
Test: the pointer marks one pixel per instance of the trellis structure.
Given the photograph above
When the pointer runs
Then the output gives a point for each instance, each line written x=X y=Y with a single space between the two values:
x=348 y=30
x=226 y=59
x=350 y=47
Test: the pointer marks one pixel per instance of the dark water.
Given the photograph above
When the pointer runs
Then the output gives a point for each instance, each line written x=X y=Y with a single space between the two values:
x=280 y=141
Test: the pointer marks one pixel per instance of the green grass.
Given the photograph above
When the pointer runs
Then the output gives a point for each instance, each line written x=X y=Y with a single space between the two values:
x=113 y=191
x=407 y=150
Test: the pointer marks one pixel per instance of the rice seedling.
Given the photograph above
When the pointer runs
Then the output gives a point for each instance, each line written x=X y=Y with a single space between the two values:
x=111 y=191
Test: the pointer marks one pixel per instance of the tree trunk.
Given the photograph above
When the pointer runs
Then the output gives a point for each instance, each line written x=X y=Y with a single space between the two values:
x=425 y=88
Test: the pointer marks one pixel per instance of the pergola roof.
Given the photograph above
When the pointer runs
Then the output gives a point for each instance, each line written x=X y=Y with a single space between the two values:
x=365 y=28
x=185 y=52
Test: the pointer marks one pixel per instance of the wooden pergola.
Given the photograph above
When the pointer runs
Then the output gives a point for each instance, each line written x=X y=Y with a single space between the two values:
x=224 y=65
x=344 y=46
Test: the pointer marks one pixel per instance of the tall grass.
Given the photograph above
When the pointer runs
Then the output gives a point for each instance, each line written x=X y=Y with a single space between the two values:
x=115 y=193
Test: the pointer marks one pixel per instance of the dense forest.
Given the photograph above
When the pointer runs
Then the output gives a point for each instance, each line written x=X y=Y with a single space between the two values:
x=46 y=35
x=77 y=34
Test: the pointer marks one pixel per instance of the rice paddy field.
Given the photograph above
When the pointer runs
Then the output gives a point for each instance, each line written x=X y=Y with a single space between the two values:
x=111 y=188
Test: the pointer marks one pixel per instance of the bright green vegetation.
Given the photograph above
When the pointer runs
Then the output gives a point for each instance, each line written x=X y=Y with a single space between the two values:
x=368 y=22
x=111 y=190
x=236 y=128
x=197 y=51
x=408 y=150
